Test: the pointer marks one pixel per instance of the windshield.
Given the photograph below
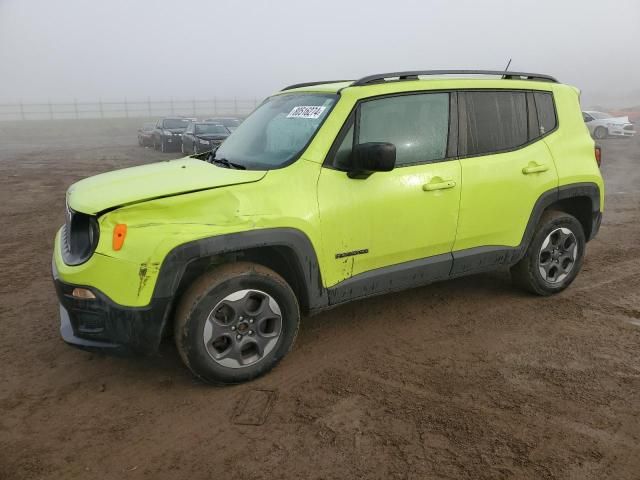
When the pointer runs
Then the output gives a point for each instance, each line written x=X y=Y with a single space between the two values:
x=599 y=115
x=277 y=131
x=211 y=128
x=175 y=123
x=230 y=122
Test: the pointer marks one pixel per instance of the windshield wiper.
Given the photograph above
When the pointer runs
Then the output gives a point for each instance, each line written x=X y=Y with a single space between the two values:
x=225 y=163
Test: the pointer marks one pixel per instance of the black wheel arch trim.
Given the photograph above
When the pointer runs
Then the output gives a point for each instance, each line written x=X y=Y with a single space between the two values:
x=378 y=281
x=177 y=261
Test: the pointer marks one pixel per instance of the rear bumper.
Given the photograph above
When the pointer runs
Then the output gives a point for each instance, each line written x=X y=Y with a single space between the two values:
x=102 y=325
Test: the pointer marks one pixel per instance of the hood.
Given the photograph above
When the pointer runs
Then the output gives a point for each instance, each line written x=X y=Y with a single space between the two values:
x=616 y=120
x=175 y=130
x=138 y=184
x=211 y=136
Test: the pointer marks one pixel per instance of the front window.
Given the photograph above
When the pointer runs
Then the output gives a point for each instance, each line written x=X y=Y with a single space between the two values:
x=211 y=128
x=277 y=131
x=175 y=123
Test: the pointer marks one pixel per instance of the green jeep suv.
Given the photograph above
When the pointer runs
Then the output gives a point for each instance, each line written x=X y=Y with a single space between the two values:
x=329 y=192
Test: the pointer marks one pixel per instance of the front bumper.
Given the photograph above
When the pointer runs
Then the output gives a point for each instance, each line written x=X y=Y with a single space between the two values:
x=172 y=141
x=102 y=325
x=621 y=132
x=205 y=145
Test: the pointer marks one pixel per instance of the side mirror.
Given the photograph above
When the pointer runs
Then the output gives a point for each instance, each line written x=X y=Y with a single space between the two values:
x=370 y=157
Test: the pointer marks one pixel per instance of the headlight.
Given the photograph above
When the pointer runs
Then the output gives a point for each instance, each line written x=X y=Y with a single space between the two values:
x=79 y=237
x=168 y=133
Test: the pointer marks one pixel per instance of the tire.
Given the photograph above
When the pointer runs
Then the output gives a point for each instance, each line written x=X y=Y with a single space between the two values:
x=233 y=334
x=554 y=256
x=140 y=142
x=182 y=148
x=600 y=133
x=195 y=148
x=163 y=146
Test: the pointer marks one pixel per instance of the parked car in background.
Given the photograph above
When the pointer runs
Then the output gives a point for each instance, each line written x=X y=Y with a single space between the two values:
x=602 y=125
x=203 y=136
x=167 y=135
x=230 y=122
x=145 y=134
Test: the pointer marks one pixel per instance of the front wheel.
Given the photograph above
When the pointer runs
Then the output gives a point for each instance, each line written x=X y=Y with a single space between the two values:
x=236 y=323
x=554 y=256
x=600 y=133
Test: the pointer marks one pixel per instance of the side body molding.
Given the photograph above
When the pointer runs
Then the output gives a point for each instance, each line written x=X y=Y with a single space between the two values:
x=383 y=280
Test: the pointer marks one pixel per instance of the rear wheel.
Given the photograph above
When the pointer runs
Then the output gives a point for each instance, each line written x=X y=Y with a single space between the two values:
x=554 y=256
x=600 y=133
x=236 y=323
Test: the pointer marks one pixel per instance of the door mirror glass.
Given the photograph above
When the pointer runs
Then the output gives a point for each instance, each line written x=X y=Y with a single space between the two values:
x=370 y=157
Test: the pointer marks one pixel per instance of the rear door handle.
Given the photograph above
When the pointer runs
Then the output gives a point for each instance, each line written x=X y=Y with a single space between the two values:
x=534 y=167
x=438 y=185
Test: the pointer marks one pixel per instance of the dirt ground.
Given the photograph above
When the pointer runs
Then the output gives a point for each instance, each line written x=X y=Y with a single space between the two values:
x=468 y=379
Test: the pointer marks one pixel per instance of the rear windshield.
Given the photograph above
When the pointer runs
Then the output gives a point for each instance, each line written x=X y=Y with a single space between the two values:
x=277 y=131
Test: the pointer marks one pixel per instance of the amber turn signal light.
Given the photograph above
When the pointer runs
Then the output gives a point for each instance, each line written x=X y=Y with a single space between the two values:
x=119 y=234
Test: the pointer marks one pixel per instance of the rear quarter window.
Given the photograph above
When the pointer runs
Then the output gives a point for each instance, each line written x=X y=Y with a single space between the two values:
x=546 y=112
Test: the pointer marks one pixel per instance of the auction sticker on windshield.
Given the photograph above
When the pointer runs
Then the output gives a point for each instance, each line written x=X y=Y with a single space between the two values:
x=308 y=111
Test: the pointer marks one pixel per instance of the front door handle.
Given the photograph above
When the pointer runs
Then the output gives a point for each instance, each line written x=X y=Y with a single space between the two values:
x=534 y=167
x=438 y=184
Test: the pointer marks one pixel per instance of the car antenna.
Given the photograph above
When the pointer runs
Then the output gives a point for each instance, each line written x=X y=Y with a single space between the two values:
x=506 y=68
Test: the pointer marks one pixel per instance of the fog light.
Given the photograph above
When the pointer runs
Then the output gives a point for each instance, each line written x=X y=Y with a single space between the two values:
x=83 y=294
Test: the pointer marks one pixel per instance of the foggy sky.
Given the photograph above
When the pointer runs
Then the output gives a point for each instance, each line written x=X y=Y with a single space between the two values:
x=87 y=49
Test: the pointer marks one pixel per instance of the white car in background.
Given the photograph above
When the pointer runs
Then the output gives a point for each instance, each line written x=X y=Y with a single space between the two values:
x=603 y=125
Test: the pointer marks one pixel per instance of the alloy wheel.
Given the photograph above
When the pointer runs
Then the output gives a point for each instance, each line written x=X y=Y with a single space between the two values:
x=558 y=255
x=242 y=328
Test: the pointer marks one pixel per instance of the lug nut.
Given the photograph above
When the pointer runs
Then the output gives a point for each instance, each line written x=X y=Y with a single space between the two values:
x=241 y=318
x=233 y=328
x=238 y=337
x=251 y=320
x=250 y=332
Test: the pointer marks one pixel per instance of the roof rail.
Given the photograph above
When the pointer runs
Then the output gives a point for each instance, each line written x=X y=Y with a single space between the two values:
x=413 y=75
x=311 y=84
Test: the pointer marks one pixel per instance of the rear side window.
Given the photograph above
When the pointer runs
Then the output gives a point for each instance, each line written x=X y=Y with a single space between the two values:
x=416 y=124
x=493 y=121
x=546 y=112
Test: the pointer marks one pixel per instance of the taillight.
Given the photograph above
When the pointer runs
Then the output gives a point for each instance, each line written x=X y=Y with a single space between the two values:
x=598 y=152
